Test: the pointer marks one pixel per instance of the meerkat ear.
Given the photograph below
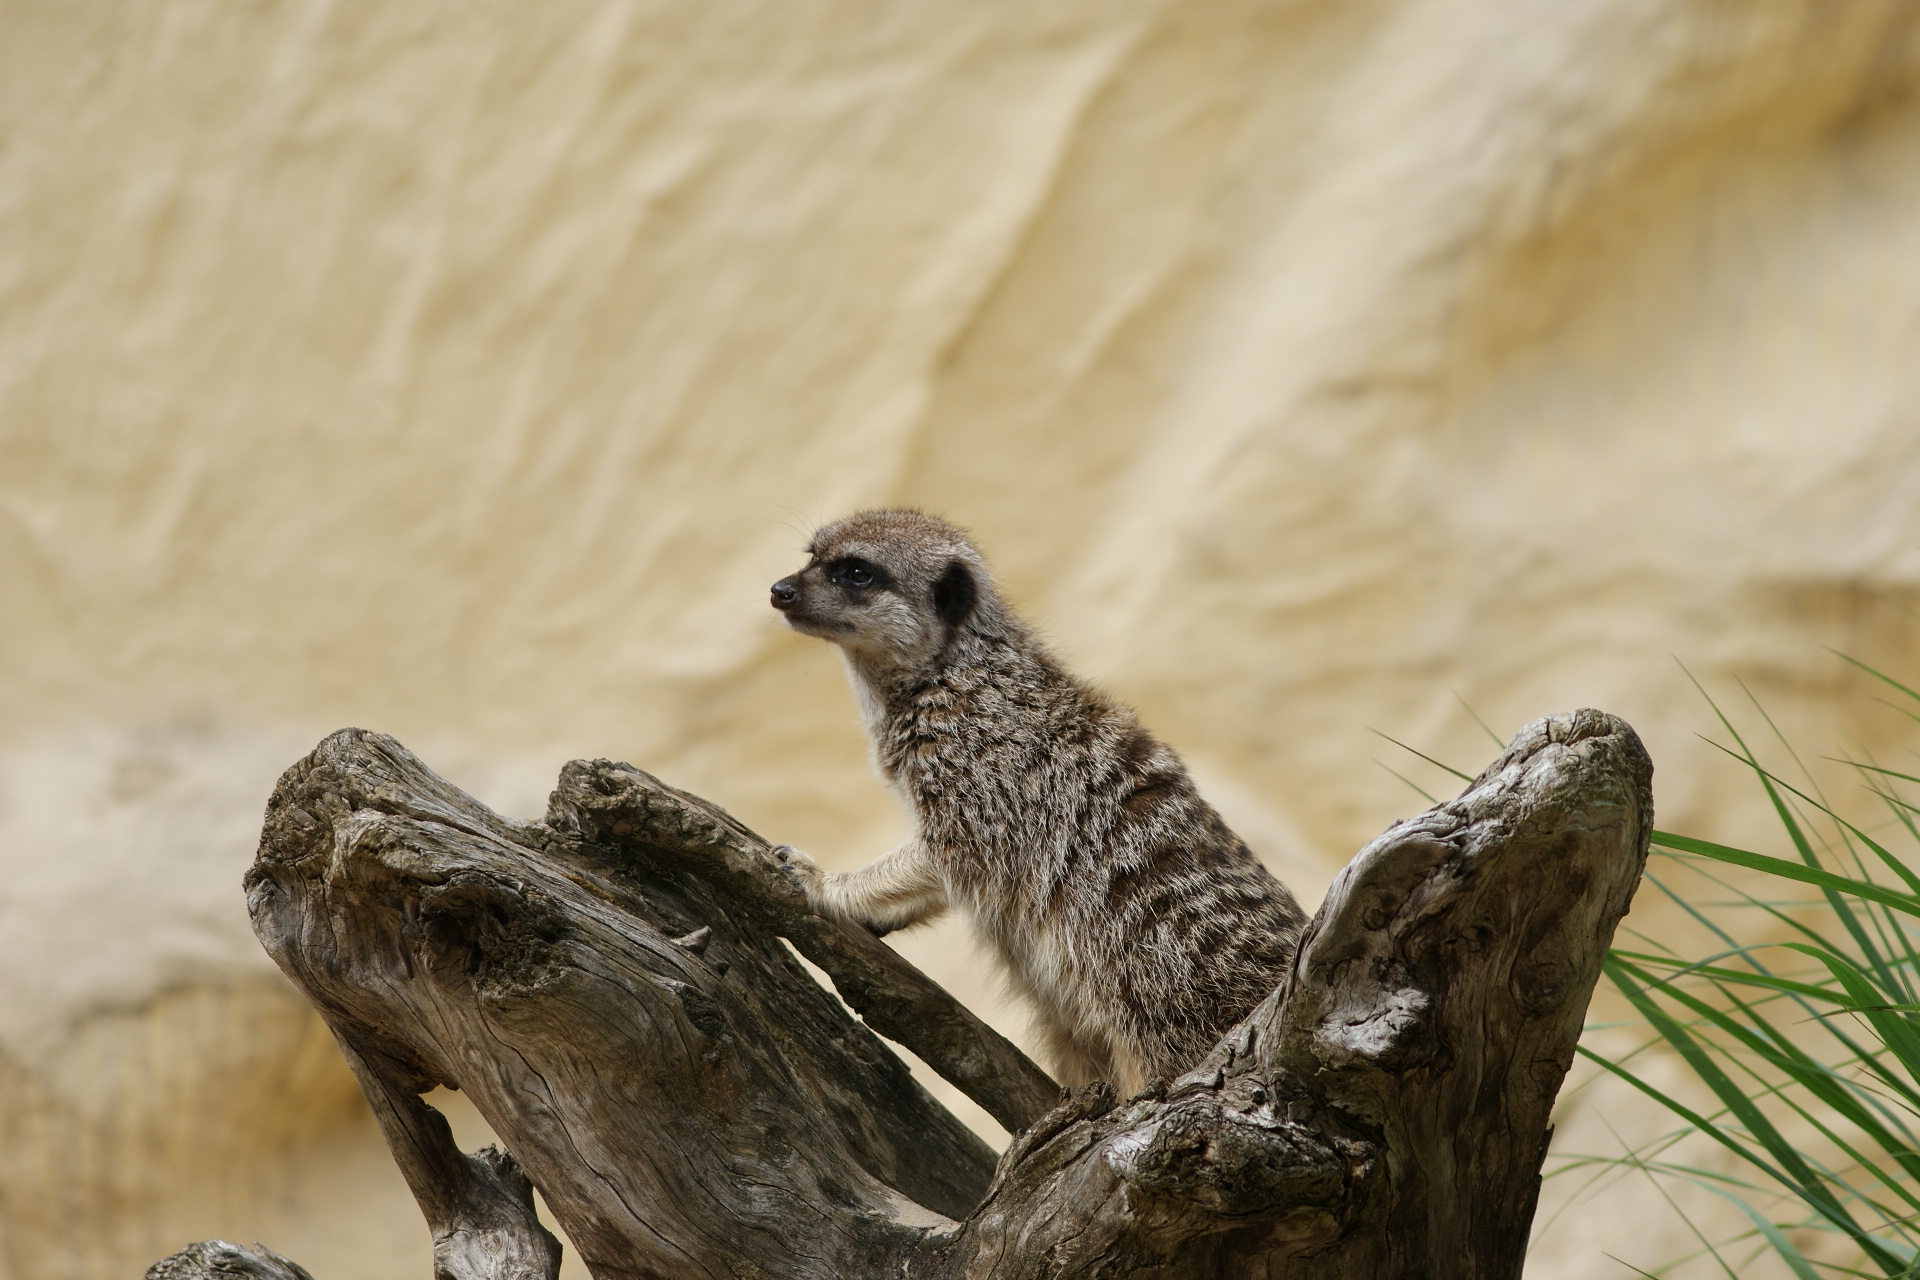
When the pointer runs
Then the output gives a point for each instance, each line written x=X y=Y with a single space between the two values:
x=954 y=594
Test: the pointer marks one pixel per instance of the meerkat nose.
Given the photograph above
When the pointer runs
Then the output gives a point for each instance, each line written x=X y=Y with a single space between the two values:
x=785 y=593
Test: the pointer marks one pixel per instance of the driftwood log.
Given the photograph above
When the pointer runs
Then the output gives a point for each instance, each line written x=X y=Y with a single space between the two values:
x=611 y=989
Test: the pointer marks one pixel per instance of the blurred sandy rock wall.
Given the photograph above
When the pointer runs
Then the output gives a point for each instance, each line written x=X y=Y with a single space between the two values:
x=467 y=371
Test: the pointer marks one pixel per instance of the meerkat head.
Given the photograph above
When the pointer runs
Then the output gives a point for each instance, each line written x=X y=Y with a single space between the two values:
x=891 y=587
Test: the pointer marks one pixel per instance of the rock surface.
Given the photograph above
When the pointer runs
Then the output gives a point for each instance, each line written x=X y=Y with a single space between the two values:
x=467 y=373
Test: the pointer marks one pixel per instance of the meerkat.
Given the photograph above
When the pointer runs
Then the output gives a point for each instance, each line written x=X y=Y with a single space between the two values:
x=1137 y=925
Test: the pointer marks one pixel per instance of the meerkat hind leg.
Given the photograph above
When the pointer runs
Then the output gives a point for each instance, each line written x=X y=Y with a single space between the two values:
x=1074 y=1061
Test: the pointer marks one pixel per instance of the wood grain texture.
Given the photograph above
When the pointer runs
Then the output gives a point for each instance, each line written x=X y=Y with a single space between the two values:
x=221 y=1260
x=612 y=805
x=609 y=988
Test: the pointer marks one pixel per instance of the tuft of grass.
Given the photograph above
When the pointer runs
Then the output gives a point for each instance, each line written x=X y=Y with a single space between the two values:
x=1808 y=1041
x=1797 y=1009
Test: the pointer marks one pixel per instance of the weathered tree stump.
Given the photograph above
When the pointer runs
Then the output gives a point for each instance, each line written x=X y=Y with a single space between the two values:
x=611 y=990
x=220 y=1260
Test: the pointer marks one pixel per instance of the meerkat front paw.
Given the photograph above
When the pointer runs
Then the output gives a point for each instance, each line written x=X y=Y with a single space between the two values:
x=800 y=867
x=825 y=900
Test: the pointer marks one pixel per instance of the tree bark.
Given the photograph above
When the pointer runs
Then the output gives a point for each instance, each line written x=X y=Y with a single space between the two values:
x=220 y=1260
x=610 y=988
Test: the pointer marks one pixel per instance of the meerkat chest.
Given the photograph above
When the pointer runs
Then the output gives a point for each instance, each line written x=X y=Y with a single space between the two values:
x=1046 y=961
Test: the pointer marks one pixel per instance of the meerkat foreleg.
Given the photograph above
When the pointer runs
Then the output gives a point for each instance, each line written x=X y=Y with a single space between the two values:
x=891 y=892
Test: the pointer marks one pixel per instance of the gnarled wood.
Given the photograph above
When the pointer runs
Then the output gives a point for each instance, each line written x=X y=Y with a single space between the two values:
x=219 y=1260
x=610 y=806
x=609 y=989
x=683 y=1106
x=479 y=1207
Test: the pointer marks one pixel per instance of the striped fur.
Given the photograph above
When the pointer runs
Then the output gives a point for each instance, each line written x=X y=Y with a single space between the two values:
x=1138 y=925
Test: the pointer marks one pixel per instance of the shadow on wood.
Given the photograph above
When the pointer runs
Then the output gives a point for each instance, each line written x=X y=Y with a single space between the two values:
x=610 y=988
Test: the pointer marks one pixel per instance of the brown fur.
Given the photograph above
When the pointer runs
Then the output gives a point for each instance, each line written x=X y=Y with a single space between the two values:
x=1139 y=926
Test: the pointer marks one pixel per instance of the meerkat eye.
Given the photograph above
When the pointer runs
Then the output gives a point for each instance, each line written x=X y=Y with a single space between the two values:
x=859 y=575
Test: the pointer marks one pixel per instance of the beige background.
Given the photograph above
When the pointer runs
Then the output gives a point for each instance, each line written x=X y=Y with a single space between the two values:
x=466 y=371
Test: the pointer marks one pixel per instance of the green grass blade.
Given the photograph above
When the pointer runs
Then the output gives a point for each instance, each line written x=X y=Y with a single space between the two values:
x=1786 y=1163
x=1841 y=909
x=1898 y=1033
x=1795 y=1172
x=1877 y=675
x=1421 y=791
x=1906 y=903
x=1738 y=977
x=1464 y=777
x=1795 y=1260
x=1814 y=1077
